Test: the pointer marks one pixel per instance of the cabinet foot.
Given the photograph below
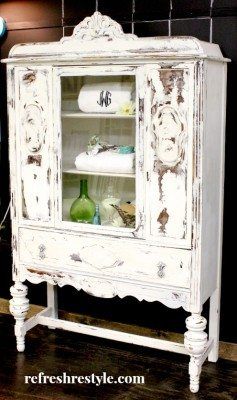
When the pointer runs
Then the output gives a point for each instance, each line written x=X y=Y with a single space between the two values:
x=195 y=341
x=19 y=305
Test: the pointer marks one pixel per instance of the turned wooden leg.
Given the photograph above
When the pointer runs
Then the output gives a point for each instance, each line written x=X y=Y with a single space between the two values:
x=195 y=341
x=19 y=305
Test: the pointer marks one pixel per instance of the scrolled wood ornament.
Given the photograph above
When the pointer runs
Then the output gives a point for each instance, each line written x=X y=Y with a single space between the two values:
x=98 y=26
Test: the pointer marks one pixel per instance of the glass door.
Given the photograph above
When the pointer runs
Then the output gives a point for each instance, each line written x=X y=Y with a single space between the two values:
x=98 y=162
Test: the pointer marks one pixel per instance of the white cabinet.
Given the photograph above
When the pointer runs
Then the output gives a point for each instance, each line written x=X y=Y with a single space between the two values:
x=162 y=239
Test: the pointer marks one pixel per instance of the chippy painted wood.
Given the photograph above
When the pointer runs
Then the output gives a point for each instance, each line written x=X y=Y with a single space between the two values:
x=14 y=210
x=170 y=115
x=195 y=341
x=106 y=257
x=19 y=305
x=95 y=38
x=174 y=254
x=106 y=287
x=34 y=136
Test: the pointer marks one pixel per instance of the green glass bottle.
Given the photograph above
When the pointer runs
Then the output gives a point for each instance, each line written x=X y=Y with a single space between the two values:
x=83 y=209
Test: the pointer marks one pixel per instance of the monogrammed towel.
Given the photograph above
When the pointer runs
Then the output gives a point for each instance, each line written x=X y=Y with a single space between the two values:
x=104 y=97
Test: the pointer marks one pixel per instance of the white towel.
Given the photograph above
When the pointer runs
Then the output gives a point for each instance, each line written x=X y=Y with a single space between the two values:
x=104 y=97
x=107 y=161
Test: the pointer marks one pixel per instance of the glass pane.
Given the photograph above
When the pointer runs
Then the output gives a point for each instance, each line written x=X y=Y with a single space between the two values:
x=98 y=150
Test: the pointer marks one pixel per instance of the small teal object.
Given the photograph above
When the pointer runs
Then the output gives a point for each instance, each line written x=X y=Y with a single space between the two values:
x=3 y=26
x=126 y=149
x=96 y=219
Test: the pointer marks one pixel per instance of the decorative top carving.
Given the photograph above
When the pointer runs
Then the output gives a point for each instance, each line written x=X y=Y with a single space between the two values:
x=98 y=26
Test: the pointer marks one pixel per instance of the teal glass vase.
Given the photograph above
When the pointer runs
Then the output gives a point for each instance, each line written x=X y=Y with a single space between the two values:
x=83 y=208
x=96 y=218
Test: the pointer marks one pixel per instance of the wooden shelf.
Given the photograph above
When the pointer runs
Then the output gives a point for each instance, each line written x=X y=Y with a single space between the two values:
x=78 y=114
x=77 y=172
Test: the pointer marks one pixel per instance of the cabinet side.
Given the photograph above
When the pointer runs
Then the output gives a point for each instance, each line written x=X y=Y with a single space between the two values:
x=13 y=165
x=212 y=176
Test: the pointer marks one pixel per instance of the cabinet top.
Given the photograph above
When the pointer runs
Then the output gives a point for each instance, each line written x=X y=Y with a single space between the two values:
x=100 y=38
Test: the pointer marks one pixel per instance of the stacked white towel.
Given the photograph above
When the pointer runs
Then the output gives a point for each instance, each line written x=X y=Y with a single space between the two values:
x=107 y=161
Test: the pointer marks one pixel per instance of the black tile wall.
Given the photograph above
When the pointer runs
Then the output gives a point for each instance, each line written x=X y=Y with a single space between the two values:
x=190 y=8
x=224 y=8
x=75 y=11
x=127 y=27
x=157 y=28
x=121 y=10
x=225 y=34
x=147 y=10
x=25 y=20
x=197 y=27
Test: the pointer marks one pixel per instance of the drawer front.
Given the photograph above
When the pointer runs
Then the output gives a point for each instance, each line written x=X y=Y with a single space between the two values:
x=117 y=258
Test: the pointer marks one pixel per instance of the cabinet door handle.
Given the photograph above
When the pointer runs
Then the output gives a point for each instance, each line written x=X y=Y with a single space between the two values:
x=42 y=249
x=161 y=267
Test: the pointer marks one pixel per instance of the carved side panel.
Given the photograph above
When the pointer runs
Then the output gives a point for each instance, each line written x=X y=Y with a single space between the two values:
x=34 y=120
x=170 y=159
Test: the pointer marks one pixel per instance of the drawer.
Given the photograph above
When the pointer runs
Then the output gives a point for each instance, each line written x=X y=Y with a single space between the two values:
x=109 y=257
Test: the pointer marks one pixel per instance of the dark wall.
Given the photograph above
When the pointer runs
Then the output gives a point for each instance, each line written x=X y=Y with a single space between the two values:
x=41 y=20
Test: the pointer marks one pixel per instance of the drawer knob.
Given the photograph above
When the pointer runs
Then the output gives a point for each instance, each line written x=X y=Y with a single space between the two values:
x=161 y=267
x=42 y=249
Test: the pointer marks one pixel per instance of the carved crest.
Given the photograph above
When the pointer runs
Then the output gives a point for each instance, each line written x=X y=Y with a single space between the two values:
x=98 y=26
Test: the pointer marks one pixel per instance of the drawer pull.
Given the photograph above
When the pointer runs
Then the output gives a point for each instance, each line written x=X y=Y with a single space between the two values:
x=42 y=249
x=161 y=273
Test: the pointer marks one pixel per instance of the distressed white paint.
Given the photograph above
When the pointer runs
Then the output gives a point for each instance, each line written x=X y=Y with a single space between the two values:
x=96 y=40
x=170 y=123
x=34 y=116
x=195 y=341
x=19 y=305
x=107 y=287
x=98 y=26
x=173 y=255
x=105 y=257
